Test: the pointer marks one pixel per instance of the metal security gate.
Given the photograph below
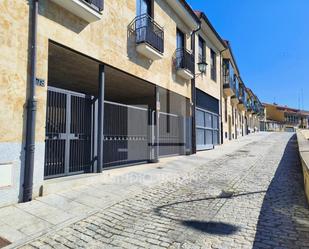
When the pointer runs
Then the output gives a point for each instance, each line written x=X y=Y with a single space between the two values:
x=126 y=134
x=171 y=134
x=207 y=129
x=68 y=133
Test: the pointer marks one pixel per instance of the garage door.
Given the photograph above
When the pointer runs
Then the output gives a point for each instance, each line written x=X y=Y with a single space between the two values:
x=207 y=129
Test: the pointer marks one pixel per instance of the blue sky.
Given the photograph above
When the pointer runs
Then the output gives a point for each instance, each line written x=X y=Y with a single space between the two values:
x=270 y=40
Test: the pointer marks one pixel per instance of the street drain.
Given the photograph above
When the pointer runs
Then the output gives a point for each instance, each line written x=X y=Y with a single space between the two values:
x=4 y=242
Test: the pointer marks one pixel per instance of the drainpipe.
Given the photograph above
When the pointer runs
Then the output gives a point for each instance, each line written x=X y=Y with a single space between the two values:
x=221 y=94
x=193 y=92
x=31 y=107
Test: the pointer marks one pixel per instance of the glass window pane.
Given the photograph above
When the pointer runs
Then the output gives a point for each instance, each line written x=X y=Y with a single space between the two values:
x=208 y=120
x=216 y=137
x=200 y=137
x=208 y=136
x=215 y=122
x=200 y=118
x=180 y=39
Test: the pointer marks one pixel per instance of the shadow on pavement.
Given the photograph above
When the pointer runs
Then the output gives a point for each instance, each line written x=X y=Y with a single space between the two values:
x=218 y=228
x=223 y=195
x=284 y=217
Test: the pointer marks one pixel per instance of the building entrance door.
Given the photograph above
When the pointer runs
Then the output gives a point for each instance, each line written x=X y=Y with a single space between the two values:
x=68 y=133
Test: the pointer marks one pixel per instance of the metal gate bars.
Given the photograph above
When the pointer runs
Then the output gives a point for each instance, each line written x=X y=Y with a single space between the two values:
x=68 y=133
x=129 y=134
x=171 y=134
x=126 y=134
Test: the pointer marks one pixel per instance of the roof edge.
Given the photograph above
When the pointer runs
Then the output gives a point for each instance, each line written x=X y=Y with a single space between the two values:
x=202 y=15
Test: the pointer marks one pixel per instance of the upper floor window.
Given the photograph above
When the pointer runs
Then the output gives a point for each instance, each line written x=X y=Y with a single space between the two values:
x=144 y=7
x=180 y=39
x=213 y=65
x=201 y=50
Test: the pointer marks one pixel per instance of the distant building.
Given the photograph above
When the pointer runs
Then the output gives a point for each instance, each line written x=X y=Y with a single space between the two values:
x=284 y=118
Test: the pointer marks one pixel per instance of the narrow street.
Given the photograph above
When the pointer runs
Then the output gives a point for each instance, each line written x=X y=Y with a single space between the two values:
x=249 y=198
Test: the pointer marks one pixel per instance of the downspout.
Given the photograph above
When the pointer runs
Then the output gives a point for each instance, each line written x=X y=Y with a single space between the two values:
x=193 y=91
x=221 y=94
x=31 y=107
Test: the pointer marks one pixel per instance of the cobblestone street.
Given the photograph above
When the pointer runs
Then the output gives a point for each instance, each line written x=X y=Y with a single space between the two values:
x=251 y=198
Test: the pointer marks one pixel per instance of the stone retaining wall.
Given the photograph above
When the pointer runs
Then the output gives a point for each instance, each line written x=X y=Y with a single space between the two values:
x=303 y=146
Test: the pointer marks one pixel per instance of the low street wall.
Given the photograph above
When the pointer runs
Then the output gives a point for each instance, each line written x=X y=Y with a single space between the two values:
x=303 y=146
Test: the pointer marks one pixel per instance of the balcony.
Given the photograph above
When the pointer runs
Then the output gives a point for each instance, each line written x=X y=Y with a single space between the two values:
x=228 y=78
x=88 y=10
x=242 y=103
x=234 y=100
x=256 y=109
x=184 y=63
x=228 y=86
x=149 y=37
x=242 y=98
x=250 y=108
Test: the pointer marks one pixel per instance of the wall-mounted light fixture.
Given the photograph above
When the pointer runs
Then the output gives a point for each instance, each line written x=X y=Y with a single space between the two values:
x=202 y=66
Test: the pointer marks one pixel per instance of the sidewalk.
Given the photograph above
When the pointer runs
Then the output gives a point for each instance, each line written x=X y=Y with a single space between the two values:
x=71 y=202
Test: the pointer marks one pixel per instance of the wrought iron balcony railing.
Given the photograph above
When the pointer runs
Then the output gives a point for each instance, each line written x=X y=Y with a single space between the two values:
x=146 y=30
x=249 y=106
x=242 y=95
x=184 y=60
x=229 y=82
x=242 y=99
x=96 y=4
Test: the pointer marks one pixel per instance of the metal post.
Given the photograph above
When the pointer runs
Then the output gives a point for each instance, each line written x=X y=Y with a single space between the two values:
x=94 y=135
x=155 y=130
x=188 y=129
x=149 y=134
x=101 y=119
x=31 y=109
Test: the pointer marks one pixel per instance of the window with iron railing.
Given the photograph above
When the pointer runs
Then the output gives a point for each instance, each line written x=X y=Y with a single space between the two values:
x=201 y=50
x=96 y=4
x=146 y=30
x=242 y=96
x=184 y=59
x=228 y=73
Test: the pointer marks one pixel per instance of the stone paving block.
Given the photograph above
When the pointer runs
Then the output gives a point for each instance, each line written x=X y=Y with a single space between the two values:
x=45 y=212
x=65 y=204
x=267 y=208
x=11 y=233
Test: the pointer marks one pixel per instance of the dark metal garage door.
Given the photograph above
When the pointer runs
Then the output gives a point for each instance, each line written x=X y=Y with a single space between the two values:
x=207 y=129
x=207 y=121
